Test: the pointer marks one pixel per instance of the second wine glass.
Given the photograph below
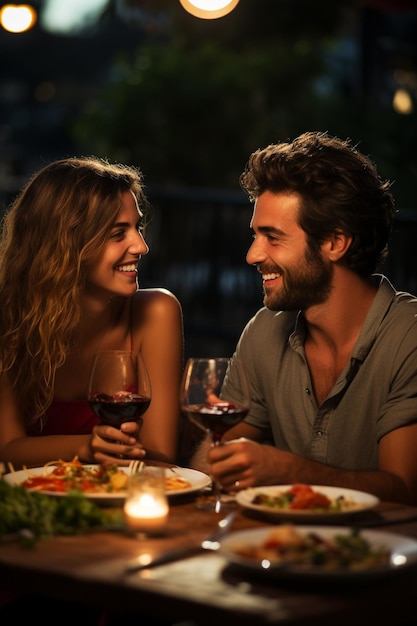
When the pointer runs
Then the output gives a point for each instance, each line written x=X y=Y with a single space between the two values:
x=206 y=401
x=119 y=388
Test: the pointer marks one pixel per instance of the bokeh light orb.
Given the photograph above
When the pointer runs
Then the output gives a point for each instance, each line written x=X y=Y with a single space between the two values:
x=17 y=18
x=209 y=9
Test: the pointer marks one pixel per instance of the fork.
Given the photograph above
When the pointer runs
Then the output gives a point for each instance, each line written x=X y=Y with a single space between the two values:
x=135 y=467
x=212 y=542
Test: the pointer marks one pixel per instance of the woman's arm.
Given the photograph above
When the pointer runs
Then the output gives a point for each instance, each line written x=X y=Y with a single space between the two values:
x=157 y=331
x=157 y=328
x=19 y=449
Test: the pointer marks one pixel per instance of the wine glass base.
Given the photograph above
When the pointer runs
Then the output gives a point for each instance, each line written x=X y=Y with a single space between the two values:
x=217 y=505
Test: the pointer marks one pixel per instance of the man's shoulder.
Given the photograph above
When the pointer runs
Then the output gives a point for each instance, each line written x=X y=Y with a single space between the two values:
x=395 y=305
x=406 y=299
x=398 y=318
x=274 y=317
x=404 y=306
x=271 y=323
x=388 y=294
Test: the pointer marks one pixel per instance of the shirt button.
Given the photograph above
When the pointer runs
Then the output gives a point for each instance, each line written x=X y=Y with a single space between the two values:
x=307 y=391
x=319 y=433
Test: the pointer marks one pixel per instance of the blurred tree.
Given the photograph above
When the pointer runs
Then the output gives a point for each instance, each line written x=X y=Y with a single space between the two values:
x=198 y=96
x=193 y=102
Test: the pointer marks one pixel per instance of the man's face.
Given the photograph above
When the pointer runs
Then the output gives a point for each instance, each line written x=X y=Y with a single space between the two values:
x=294 y=276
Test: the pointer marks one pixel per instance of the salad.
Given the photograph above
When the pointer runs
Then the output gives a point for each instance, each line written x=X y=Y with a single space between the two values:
x=303 y=497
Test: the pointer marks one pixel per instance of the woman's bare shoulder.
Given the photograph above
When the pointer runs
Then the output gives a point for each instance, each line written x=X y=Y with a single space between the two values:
x=154 y=300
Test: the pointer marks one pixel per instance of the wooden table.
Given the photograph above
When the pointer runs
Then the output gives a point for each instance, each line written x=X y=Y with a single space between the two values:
x=90 y=568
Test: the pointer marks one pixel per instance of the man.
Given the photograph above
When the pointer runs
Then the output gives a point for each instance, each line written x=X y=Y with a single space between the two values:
x=332 y=357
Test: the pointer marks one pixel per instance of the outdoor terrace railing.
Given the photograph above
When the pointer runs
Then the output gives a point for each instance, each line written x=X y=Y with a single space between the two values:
x=198 y=243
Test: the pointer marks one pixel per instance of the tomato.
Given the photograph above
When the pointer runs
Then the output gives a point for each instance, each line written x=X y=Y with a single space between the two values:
x=301 y=487
x=59 y=471
x=86 y=485
x=57 y=485
x=310 y=499
x=45 y=483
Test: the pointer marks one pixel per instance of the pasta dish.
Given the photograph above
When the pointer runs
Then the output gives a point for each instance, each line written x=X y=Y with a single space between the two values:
x=66 y=476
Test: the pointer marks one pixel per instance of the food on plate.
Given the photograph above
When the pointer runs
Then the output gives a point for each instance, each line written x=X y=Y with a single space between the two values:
x=304 y=497
x=26 y=516
x=308 y=549
x=173 y=483
x=66 y=476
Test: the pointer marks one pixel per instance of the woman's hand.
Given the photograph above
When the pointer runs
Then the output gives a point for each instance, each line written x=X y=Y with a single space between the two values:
x=108 y=444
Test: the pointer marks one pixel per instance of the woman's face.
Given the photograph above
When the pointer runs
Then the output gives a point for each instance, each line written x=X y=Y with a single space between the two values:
x=115 y=270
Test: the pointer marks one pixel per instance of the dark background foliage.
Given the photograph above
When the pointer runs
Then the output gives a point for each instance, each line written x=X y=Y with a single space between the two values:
x=188 y=100
x=196 y=97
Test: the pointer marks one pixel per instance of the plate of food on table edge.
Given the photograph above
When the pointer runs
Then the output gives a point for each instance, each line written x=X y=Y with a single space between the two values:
x=105 y=484
x=319 y=552
x=302 y=502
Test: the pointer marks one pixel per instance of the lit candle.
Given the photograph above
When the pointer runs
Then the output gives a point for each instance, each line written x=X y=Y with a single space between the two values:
x=146 y=506
x=145 y=513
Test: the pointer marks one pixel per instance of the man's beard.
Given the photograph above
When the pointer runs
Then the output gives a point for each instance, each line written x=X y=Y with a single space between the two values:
x=307 y=285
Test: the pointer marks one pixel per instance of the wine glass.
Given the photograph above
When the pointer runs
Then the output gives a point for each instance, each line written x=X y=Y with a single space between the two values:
x=209 y=401
x=119 y=389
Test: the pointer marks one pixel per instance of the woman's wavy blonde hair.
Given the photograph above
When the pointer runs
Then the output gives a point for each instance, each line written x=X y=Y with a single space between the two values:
x=60 y=221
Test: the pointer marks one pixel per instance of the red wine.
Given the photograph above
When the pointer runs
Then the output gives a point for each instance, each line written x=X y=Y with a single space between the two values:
x=119 y=408
x=217 y=417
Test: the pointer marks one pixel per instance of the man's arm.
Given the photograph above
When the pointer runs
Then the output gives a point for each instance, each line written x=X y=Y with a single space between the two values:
x=398 y=456
x=252 y=463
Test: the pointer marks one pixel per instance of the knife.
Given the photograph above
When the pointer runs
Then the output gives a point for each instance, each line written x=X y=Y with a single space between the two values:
x=209 y=543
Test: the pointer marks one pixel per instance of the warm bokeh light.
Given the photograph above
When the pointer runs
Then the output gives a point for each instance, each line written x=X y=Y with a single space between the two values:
x=402 y=102
x=209 y=9
x=67 y=17
x=17 y=18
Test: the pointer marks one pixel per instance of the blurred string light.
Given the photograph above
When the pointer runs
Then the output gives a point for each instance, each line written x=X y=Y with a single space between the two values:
x=402 y=102
x=17 y=18
x=209 y=9
x=406 y=88
x=66 y=17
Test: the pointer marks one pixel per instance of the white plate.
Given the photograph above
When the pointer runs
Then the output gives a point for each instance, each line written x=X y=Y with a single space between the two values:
x=362 y=500
x=197 y=479
x=403 y=553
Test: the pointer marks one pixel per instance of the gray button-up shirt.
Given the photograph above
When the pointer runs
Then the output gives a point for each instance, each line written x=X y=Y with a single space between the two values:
x=375 y=393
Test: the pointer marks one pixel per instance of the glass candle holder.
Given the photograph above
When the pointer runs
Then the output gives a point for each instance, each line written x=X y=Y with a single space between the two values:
x=146 y=506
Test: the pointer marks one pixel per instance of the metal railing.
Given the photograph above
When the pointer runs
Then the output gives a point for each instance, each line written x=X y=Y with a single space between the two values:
x=198 y=242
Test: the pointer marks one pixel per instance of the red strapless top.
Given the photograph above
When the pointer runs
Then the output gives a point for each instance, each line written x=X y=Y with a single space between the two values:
x=67 y=417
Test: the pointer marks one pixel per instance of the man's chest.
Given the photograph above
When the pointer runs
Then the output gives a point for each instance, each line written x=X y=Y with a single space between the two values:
x=325 y=369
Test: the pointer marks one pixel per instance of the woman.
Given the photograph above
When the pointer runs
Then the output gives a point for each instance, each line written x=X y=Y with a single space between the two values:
x=69 y=252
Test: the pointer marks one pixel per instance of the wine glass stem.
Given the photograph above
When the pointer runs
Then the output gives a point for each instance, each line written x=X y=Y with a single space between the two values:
x=216 y=487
